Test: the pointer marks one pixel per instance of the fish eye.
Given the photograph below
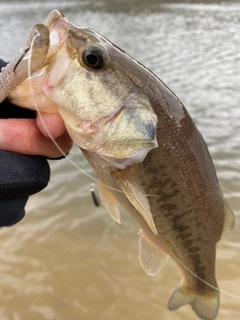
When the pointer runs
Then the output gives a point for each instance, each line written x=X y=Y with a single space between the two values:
x=94 y=57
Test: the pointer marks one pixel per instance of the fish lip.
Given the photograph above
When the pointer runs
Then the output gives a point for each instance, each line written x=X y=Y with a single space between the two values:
x=57 y=25
x=53 y=16
x=93 y=127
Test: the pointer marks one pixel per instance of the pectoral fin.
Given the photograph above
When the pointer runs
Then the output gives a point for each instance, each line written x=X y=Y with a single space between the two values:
x=136 y=195
x=229 y=219
x=110 y=203
x=152 y=259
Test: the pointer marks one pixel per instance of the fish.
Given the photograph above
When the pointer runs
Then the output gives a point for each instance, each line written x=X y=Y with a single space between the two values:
x=148 y=155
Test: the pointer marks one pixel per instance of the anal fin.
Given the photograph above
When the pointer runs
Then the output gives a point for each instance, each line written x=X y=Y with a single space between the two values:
x=151 y=257
x=110 y=203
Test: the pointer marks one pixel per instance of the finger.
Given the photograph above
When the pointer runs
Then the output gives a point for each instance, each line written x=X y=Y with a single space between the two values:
x=50 y=124
x=23 y=136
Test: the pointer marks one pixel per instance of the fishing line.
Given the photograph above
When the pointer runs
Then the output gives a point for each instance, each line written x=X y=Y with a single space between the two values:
x=182 y=174
x=94 y=197
x=42 y=120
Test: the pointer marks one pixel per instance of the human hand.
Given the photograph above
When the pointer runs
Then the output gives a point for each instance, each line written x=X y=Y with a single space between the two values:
x=22 y=175
x=23 y=140
x=29 y=136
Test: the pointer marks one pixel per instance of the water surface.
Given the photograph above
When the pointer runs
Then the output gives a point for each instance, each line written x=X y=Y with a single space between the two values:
x=67 y=259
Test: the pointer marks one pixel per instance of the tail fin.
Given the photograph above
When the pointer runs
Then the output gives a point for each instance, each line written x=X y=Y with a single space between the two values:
x=205 y=306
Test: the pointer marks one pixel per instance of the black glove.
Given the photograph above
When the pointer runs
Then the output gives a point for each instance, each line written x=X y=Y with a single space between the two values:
x=20 y=175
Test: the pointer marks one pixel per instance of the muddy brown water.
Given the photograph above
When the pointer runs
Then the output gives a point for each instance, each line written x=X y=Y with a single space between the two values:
x=67 y=260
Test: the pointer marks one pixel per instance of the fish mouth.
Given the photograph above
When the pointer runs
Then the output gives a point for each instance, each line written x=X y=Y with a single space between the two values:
x=58 y=27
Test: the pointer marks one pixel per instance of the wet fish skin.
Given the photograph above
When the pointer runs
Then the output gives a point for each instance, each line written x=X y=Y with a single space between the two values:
x=172 y=178
x=188 y=210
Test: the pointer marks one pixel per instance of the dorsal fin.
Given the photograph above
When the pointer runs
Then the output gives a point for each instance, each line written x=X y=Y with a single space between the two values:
x=151 y=257
x=136 y=195
x=110 y=203
x=229 y=219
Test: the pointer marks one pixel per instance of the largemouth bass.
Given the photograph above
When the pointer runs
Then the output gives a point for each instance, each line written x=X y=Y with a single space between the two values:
x=147 y=153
